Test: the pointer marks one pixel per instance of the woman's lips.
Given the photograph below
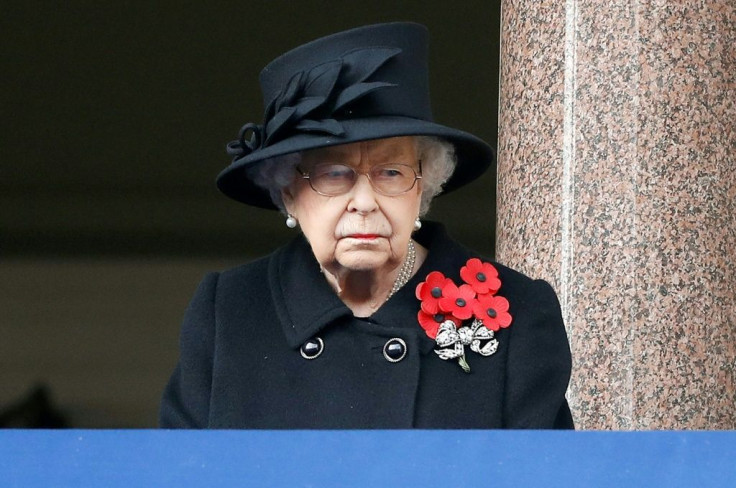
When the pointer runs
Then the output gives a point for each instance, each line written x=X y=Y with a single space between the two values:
x=364 y=236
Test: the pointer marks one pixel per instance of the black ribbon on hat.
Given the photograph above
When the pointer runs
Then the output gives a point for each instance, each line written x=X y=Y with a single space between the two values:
x=312 y=99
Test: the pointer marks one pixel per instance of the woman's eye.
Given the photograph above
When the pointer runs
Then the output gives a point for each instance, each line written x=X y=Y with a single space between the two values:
x=334 y=172
x=389 y=173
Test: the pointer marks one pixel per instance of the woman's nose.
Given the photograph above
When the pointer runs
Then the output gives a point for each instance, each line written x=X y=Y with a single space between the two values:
x=362 y=196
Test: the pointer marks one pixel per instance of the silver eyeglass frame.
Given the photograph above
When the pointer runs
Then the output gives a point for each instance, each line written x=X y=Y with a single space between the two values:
x=417 y=176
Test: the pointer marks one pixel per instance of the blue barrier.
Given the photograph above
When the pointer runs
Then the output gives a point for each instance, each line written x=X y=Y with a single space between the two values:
x=467 y=459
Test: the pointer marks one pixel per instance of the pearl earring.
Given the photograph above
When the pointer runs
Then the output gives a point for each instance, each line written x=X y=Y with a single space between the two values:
x=417 y=224
x=290 y=221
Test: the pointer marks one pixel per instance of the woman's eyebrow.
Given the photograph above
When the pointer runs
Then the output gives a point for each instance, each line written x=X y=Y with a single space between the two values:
x=390 y=153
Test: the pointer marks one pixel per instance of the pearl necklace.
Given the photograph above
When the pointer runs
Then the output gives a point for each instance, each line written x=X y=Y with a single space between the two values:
x=405 y=272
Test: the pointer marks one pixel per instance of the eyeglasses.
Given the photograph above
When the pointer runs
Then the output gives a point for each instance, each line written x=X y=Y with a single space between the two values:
x=331 y=179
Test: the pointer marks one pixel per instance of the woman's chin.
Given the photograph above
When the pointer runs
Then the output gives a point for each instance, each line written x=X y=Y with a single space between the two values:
x=362 y=260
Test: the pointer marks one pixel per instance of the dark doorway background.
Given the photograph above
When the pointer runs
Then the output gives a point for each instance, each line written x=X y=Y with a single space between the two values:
x=114 y=120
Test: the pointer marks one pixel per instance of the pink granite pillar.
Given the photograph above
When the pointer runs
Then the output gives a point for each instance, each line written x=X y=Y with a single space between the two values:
x=617 y=183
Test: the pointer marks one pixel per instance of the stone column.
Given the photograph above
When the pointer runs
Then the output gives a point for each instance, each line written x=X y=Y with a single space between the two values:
x=617 y=184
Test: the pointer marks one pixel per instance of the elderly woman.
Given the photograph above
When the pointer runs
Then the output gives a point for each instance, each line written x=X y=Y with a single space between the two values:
x=369 y=318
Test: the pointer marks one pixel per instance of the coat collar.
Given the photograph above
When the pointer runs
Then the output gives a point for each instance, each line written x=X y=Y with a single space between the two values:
x=306 y=303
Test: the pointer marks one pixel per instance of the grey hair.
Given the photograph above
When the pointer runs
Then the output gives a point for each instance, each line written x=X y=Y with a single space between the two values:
x=437 y=157
x=438 y=163
x=275 y=174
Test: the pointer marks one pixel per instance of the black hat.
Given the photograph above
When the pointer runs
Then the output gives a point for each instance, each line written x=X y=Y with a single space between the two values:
x=365 y=83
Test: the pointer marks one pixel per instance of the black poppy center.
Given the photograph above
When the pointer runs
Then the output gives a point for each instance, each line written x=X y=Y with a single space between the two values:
x=480 y=277
x=491 y=313
x=436 y=292
x=439 y=318
x=460 y=302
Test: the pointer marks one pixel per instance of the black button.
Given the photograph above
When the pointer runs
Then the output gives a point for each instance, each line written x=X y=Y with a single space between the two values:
x=312 y=348
x=394 y=350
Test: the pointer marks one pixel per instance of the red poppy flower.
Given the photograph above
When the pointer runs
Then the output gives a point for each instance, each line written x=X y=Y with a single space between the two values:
x=483 y=277
x=493 y=311
x=458 y=300
x=430 y=291
x=431 y=323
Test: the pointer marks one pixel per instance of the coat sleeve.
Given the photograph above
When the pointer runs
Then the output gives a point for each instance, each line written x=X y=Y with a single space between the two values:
x=539 y=364
x=185 y=401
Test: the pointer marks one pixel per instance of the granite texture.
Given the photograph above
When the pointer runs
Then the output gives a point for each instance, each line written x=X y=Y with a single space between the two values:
x=616 y=184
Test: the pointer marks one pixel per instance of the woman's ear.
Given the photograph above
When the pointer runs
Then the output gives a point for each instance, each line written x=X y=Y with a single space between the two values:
x=288 y=198
x=420 y=186
x=420 y=191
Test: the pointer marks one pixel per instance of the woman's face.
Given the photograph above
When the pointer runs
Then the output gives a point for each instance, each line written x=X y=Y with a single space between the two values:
x=361 y=230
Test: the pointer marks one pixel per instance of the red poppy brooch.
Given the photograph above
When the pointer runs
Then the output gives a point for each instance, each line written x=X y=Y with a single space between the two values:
x=447 y=310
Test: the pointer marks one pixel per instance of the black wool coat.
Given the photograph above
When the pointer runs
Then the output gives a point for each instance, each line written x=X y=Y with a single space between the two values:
x=241 y=367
